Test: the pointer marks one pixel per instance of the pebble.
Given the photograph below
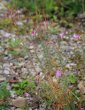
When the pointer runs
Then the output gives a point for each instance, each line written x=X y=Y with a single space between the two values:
x=19 y=102
x=24 y=70
x=81 y=86
x=6 y=65
x=5 y=34
x=19 y=23
x=31 y=47
x=19 y=109
x=2 y=78
x=6 y=72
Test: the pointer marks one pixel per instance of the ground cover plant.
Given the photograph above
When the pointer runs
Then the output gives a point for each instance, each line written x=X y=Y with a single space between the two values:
x=4 y=96
x=42 y=55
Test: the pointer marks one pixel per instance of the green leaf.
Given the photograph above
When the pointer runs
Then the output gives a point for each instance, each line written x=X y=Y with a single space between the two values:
x=67 y=108
x=72 y=78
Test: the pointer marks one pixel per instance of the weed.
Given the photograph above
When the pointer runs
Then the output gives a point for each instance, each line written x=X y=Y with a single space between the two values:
x=24 y=86
x=5 y=23
x=4 y=96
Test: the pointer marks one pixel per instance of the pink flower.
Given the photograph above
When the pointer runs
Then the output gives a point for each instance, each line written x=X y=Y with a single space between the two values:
x=58 y=73
x=76 y=36
x=61 y=35
x=26 y=94
x=34 y=33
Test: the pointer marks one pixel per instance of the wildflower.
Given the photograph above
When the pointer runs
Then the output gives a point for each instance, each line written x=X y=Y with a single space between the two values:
x=76 y=36
x=61 y=35
x=26 y=94
x=34 y=33
x=58 y=73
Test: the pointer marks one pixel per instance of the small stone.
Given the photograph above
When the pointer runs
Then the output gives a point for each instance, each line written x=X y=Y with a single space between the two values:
x=19 y=23
x=6 y=65
x=18 y=109
x=19 y=102
x=80 y=15
x=12 y=108
x=24 y=70
x=81 y=87
x=6 y=72
x=7 y=35
x=70 y=65
x=2 y=78
x=32 y=51
x=1 y=71
x=31 y=47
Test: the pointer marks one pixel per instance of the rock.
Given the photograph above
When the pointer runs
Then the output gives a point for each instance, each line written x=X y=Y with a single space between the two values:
x=2 y=78
x=6 y=72
x=19 y=23
x=6 y=65
x=19 y=102
x=80 y=15
x=6 y=69
x=24 y=73
x=21 y=64
x=81 y=86
x=32 y=51
x=70 y=65
x=1 y=72
x=12 y=108
x=31 y=47
x=24 y=70
x=18 y=109
x=5 y=34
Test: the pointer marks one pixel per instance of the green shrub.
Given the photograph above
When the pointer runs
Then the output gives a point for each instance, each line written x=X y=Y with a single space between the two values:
x=4 y=96
x=35 y=5
x=63 y=8
x=24 y=86
x=71 y=8
x=4 y=92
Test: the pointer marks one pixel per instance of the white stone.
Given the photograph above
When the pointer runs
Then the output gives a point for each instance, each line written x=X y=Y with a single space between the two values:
x=31 y=47
x=19 y=23
x=7 y=35
x=6 y=72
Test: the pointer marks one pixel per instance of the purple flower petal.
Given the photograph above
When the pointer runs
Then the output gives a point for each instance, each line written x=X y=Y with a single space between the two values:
x=26 y=94
x=61 y=35
x=34 y=33
x=76 y=36
x=58 y=73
